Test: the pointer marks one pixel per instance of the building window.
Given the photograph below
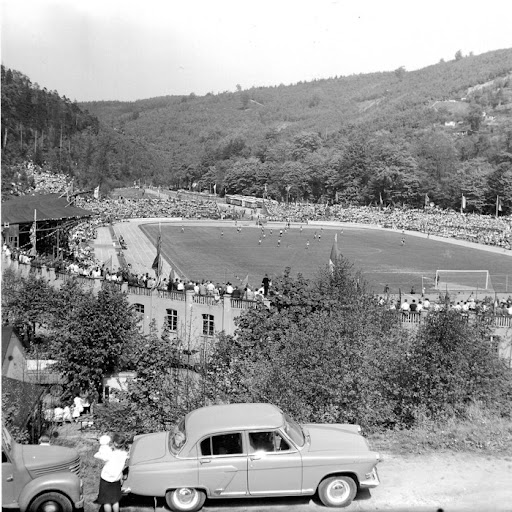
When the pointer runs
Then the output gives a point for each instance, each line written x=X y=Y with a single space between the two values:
x=208 y=325
x=172 y=320
x=139 y=313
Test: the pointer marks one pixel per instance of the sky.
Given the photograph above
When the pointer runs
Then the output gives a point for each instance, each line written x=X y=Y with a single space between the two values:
x=127 y=50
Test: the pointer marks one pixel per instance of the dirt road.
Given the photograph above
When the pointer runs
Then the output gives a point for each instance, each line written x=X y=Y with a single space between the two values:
x=450 y=482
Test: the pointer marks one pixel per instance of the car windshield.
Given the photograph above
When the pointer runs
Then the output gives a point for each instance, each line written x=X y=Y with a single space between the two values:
x=294 y=430
x=178 y=437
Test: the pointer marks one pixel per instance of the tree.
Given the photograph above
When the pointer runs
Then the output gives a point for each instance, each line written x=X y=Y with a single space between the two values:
x=499 y=184
x=244 y=98
x=304 y=144
x=470 y=179
x=319 y=351
x=458 y=55
x=436 y=155
x=25 y=302
x=400 y=73
x=94 y=341
x=164 y=390
x=453 y=364
x=474 y=116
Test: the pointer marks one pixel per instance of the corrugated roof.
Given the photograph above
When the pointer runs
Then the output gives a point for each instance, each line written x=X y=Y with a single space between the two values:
x=20 y=210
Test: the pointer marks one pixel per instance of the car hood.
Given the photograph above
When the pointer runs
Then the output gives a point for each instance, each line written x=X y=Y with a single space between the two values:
x=40 y=460
x=334 y=437
x=149 y=447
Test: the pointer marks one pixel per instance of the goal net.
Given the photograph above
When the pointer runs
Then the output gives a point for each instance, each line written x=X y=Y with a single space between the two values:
x=463 y=280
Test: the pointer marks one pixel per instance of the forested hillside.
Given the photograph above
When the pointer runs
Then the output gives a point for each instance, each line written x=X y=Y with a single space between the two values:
x=56 y=134
x=444 y=131
x=398 y=137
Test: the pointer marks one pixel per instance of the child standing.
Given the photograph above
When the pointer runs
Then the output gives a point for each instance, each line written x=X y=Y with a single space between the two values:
x=104 y=450
x=112 y=472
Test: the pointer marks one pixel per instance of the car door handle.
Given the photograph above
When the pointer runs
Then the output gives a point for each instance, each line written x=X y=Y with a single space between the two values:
x=205 y=461
x=10 y=478
x=255 y=457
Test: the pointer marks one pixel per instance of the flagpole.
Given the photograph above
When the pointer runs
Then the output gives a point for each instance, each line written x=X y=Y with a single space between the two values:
x=35 y=232
x=497 y=203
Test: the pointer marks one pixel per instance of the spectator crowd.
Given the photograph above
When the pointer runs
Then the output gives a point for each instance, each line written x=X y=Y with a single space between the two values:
x=431 y=221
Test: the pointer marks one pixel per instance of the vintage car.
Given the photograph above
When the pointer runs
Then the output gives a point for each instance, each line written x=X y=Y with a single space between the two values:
x=38 y=478
x=250 y=450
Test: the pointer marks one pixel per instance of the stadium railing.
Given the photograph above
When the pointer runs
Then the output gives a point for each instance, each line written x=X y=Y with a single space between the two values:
x=210 y=300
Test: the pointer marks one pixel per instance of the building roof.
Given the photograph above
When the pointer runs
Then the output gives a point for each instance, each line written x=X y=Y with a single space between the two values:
x=7 y=333
x=225 y=418
x=20 y=210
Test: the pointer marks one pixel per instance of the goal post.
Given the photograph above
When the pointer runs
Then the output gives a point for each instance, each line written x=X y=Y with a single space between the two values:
x=463 y=280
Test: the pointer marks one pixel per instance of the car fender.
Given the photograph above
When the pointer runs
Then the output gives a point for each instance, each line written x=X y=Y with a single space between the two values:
x=64 y=482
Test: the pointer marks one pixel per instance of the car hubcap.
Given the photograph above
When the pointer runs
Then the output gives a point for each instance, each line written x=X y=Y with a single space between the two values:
x=339 y=491
x=50 y=506
x=186 y=496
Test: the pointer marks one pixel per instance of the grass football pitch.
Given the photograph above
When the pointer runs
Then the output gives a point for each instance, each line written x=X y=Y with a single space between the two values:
x=222 y=253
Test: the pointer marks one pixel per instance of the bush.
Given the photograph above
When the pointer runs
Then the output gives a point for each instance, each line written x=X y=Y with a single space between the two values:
x=453 y=364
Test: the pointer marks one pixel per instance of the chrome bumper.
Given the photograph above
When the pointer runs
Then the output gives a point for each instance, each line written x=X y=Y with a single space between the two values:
x=371 y=481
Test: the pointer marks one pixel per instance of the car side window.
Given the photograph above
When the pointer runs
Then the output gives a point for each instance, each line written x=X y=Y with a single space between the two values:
x=270 y=441
x=223 y=444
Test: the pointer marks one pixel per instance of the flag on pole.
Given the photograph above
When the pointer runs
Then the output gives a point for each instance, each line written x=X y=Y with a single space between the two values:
x=215 y=188
x=427 y=200
x=380 y=199
x=157 y=263
x=245 y=281
x=499 y=205
x=335 y=254
x=33 y=235
x=463 y=203
x=97 y=192
x=264 y=210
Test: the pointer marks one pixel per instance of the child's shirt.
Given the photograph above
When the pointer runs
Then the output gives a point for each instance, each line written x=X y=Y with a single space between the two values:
x=113 y=469
x=103 y=452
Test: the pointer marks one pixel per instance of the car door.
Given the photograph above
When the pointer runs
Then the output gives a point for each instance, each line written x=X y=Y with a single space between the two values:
x=222 y=464
x=275 y=465
x=9 y=497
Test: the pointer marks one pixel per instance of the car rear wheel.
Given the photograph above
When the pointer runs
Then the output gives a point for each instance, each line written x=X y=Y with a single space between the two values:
x=51 y=502
x=337 y=491
x=185 y=499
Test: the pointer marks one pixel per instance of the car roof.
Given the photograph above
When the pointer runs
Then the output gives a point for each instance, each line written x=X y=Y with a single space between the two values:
x=223 y=418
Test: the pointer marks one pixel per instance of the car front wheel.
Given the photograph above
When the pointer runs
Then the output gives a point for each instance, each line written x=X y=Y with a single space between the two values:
x=337 y=491
x=51 y=502
x=185 y=499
